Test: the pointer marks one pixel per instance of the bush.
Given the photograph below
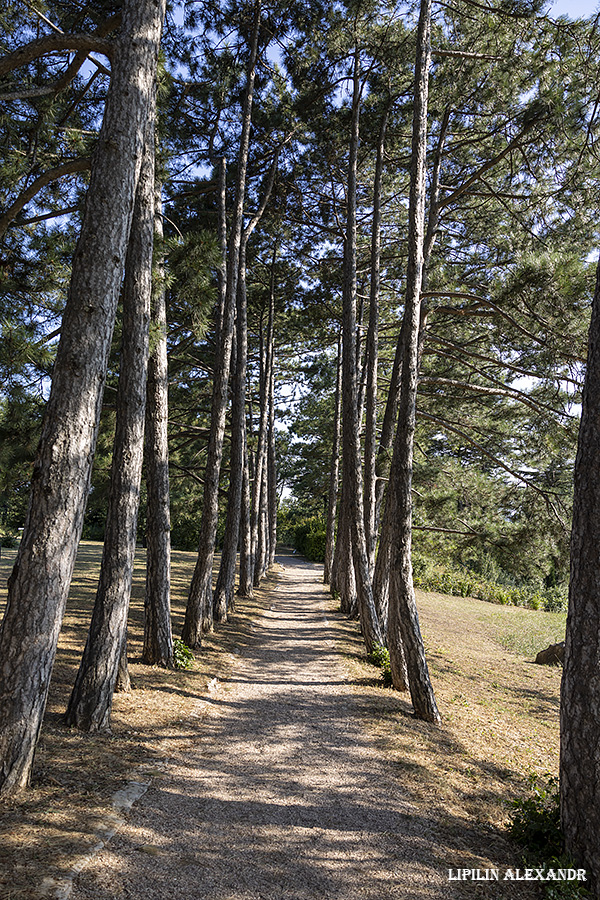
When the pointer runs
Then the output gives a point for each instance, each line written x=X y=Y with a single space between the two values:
x=380 y=656
x=8 y=539
x=309 y=538
x=183 y=657
x=535 y=824
x=461 y=583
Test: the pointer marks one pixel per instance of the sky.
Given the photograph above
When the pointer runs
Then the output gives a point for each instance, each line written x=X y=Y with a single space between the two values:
x=574 y=8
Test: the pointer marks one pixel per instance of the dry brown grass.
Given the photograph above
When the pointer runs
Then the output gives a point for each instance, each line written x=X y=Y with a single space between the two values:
x=500 y=717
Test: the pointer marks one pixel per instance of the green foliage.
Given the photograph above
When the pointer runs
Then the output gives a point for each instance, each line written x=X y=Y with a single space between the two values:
x=8 y=538
x=183 y=657
x=380 y=656
x=446 y=579
x=535 y=821
x=309 y=538
x=535 y=825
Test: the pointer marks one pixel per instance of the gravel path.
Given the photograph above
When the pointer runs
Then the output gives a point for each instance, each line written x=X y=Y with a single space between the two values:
x=277 y=792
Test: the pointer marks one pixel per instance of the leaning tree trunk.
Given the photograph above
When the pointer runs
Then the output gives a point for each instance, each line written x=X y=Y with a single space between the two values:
x=223 y=597
x=245 y=586
x=272 y=472
x=90 y=704
x=371 y=356
x=261 y=477
x=334 y=470
x=42 y=574
x=199 y=609
x=351 y=455
x=580 y=693
x=158 y=635
x=224 y=591
x=404 y=634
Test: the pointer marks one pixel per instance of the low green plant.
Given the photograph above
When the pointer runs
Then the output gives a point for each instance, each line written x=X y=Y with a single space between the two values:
x=380 y=656
x=535 y=825
x=535 y=821
x=183 y=657
x=446 y=579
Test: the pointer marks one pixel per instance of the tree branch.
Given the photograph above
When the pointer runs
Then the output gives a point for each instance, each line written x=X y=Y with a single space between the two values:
x=463 y=188
x=498 y=462
x=431 y=336
x=66 y=168
x=54 y=43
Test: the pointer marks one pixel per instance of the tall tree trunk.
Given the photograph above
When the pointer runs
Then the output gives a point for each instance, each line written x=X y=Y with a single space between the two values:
x=90 y=704
x=223 y=599
x=199 y=609
x=260 y=498
x=404 y=634
x=245 y=587
x=42 y=574
x=371 y=355
x=334 y=470
x=381 y=576
x=260 y=561
x=222 y=270
x=272 y=471
x=580 y=692
x=123 y=681
x=158 y=635
x=351 y=455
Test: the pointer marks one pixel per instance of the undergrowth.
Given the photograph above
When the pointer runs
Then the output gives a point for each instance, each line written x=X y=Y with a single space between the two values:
x=183 y=657
x=462 y=583
x=535 y=825
x=380 y=656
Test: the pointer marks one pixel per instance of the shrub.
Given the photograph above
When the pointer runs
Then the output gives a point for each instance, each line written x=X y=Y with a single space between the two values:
x=8 y=539
x=535 y=821
x=309 y=538
x=535 y=824
x=380 y=656
x=461 y=583
x=183 y=657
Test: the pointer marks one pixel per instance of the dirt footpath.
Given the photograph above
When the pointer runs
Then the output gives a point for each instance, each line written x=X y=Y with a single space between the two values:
x=277 y=790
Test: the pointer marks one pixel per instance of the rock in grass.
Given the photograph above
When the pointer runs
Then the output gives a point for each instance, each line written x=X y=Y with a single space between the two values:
x=554 y=655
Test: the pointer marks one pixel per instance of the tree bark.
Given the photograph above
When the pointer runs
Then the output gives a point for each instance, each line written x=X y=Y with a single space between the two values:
x=580 y=692
x=42 y=574
x=404 y=634
x=371 y=355
x=245 y=587
x=351 y=456
x=223 y=598
x=199 y=609
x=158 y=634
x=272 y=471
x=90 y=704
x=334 y=470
